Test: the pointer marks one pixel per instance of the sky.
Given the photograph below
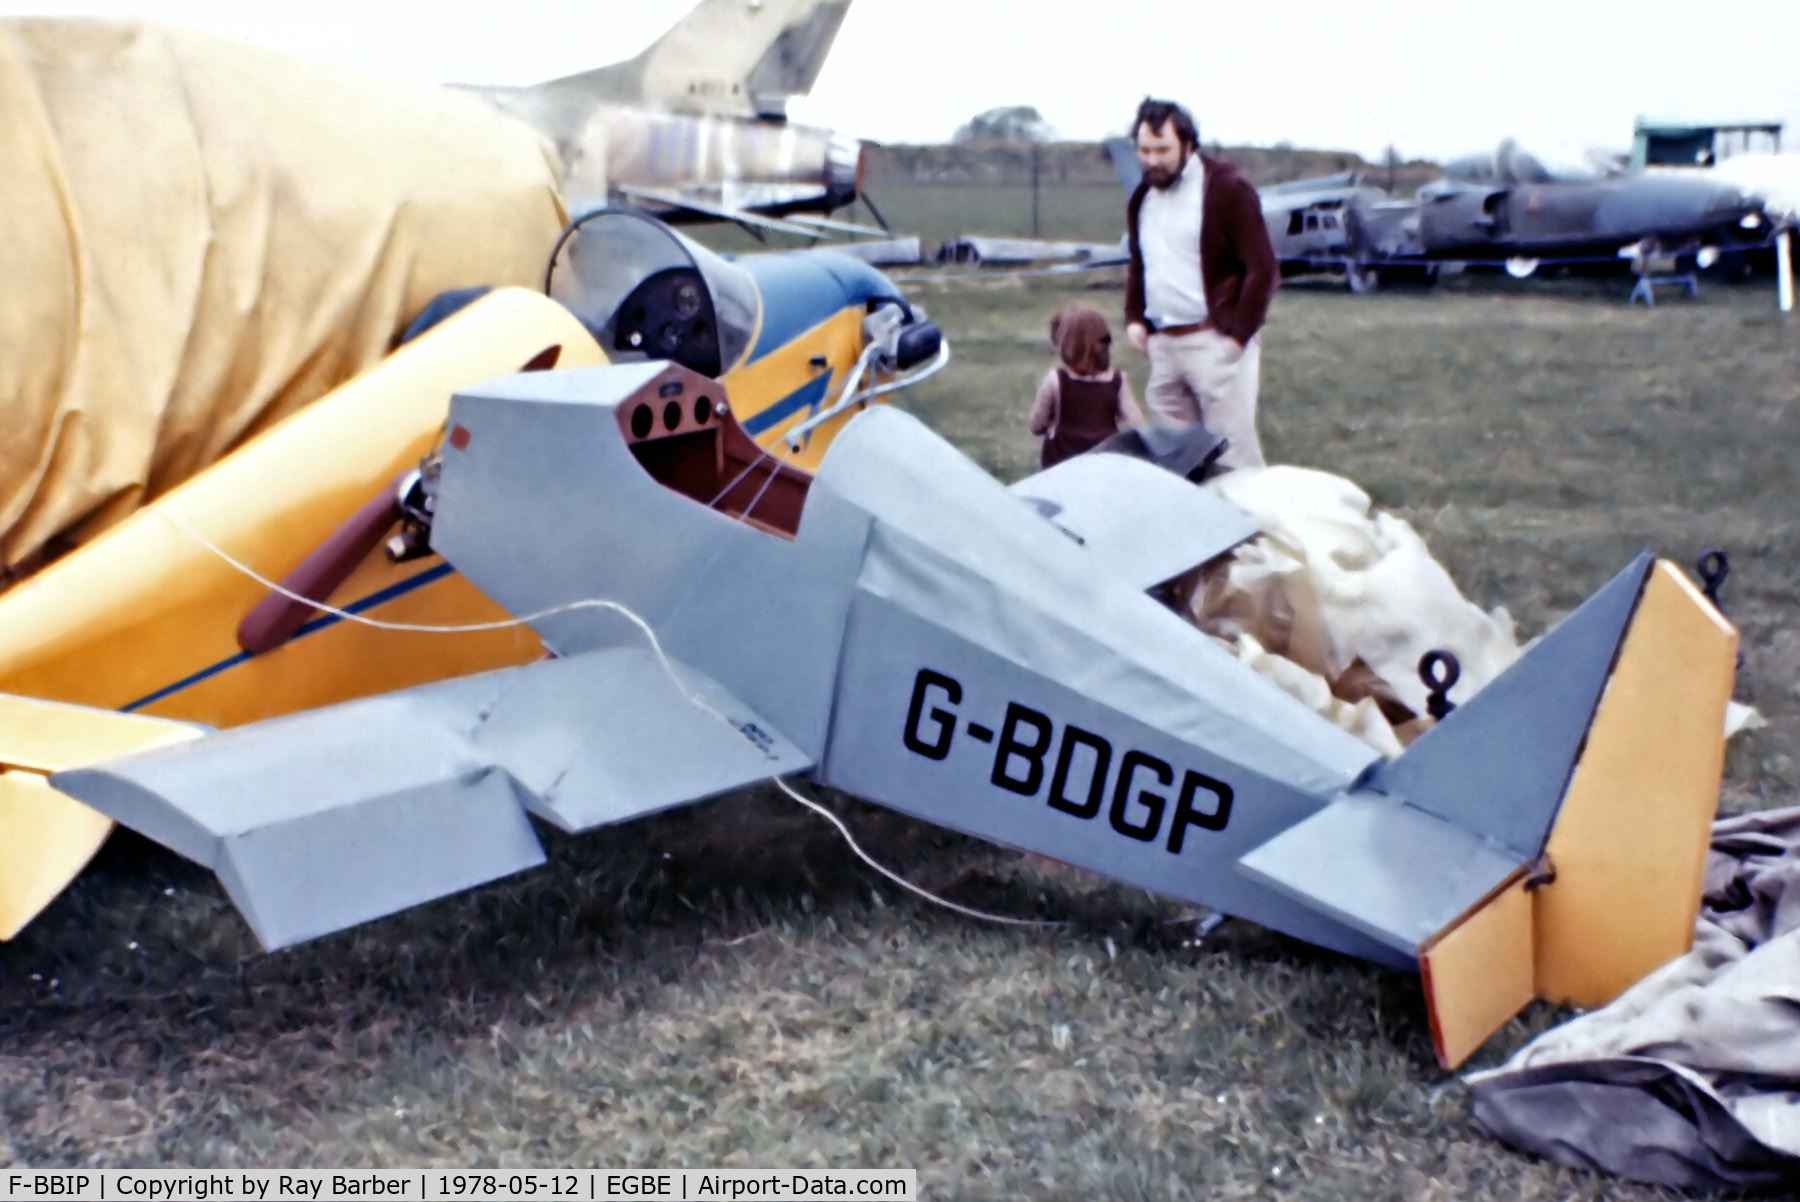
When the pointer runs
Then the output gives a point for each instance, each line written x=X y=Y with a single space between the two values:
x=1432 y=80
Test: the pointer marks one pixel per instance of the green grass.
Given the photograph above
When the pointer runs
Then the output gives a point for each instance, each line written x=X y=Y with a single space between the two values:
x=1080 y=212
x=725 y=986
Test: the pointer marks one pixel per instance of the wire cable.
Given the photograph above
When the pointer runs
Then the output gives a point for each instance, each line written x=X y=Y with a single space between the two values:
x=662 y=659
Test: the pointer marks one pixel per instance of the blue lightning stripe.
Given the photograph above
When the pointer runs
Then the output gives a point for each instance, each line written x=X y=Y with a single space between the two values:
x=320 y=623
x=807 y=396
x=803 y=288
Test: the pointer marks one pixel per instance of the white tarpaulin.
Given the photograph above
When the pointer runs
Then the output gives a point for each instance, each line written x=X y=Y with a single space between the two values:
x=1337 y=602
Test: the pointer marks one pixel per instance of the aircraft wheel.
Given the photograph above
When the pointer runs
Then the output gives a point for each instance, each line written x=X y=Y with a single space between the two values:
x=1361 y=278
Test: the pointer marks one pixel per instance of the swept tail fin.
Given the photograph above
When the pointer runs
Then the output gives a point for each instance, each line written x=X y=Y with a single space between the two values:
x=733 y=57
x=1125 y=163
x=1498 y=766
x=1628 y=845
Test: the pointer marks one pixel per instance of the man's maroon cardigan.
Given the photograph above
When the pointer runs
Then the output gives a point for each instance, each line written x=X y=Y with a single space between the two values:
x=1237 y=264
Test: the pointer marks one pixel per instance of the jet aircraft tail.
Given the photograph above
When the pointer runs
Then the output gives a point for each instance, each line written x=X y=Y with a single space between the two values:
x=734 y=57
x=1124 y=163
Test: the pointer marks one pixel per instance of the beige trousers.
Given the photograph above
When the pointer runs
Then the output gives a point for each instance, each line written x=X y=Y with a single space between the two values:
x=1205 y=377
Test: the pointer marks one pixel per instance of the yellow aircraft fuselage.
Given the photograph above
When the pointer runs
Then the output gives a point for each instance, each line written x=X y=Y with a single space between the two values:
x=144 y=619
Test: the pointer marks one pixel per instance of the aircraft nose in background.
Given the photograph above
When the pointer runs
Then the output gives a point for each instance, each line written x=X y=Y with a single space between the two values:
x=1672 y=206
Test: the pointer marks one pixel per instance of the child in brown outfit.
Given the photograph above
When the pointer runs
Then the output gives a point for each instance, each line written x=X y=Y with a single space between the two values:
x=1084 y=399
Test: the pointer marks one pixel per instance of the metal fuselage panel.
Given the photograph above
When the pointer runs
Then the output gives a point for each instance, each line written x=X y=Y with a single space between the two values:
x=940 y=727
x=1308 y=225
x=1572 y=218
x=545 y=506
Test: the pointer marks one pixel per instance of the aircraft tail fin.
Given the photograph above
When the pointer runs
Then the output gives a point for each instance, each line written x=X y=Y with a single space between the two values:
x=1612 y=893
x=1125 y=163
x=738 y=57
x=1626 y=852
x=1498 y=765
x=45 y=836
x=1547 y=838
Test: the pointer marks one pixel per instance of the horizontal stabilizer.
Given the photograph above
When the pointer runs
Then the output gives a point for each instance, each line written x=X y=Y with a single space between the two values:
x=1442 y=900
x=842 y=227
x=1081 y=495
x=1390 y=870
x=704 y=207
x=322 y=820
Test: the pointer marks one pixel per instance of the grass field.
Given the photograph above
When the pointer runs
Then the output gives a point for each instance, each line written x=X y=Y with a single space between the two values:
x=725 y=986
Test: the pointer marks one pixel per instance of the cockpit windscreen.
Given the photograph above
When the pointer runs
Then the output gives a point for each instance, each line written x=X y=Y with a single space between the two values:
x=646 y=292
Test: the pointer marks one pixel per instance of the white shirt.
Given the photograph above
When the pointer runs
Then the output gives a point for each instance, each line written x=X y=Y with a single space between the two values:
x=1169 y=239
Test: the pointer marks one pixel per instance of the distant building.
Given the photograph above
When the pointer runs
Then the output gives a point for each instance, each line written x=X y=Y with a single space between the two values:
x=1686 y=144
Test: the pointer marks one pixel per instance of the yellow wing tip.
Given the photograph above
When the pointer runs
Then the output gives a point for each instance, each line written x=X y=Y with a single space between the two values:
x=46 y=839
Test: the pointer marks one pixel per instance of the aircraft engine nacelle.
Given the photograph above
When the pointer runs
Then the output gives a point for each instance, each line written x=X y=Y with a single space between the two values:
x=1475 y=217
x=667 y=150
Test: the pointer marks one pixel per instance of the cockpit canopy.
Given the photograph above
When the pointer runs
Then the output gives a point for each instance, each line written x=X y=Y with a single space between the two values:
x=647 y=292
x=1511 y=163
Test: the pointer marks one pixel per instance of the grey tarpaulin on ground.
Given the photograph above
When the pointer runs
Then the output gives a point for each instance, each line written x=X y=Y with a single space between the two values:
x=1692 y=1077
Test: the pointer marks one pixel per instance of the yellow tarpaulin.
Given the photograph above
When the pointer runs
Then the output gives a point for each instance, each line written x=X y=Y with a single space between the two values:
x=198 y=237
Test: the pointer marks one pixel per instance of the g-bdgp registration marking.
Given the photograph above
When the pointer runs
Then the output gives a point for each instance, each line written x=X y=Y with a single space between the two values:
x=1023 y=744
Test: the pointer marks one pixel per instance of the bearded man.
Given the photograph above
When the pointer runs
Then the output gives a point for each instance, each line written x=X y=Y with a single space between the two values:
x=1197 y=290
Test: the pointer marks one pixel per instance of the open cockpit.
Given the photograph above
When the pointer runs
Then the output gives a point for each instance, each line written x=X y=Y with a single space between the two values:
x=680 y=429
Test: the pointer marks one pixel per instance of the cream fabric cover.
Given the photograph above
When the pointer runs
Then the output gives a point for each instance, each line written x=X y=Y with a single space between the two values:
x=198 y=237
x=1337 y=601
